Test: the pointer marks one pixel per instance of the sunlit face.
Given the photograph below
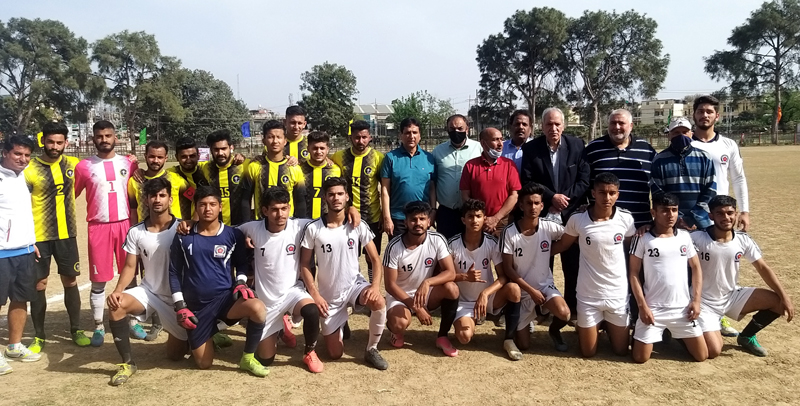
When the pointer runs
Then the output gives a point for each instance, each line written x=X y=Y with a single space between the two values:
x=418 y=223
x=531 y=206
x=208 y=208
x=318 y=152
x=473 y=220
x=521 y=127
x=336 y=198
x=360 y=141
x=665 y=216
x=188 y=159
x=159 y=202
x=492 y=140
x=17 y=159
x=619 y=128
x=724 y=218
x=605 y=195
x=54 y=145
x=155 y=159
x=104 y=140
x=277 y=214
x=705 y=116
x=457 y=124
x=410 y=137
x=222 y=152
x=274 y=140
x=294 y=126
x=553 y=126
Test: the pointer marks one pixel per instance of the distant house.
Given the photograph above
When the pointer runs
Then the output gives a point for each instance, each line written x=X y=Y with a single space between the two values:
x=376 y=115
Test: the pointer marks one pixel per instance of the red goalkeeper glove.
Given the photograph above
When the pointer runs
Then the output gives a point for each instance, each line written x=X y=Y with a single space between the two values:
x=242 y=291
x=186 y=318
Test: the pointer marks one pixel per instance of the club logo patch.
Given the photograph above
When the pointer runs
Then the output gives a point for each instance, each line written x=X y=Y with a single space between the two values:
x=351 y=243
x=618 y=238
x=220 y=251
x=304 y=153
x=723 y=159
x=485 y=263
x=290 y=249
x=545 y=246
x=429 y=262
x=235 y=179
x=77 y=267
x=285 y=179
x=368 y=171
x=70 y=173
x=738 y=256
x=123 y=171
x=684 y=250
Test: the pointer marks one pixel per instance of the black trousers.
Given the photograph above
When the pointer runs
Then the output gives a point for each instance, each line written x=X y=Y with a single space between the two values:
x=570 y=262
x=448 y=222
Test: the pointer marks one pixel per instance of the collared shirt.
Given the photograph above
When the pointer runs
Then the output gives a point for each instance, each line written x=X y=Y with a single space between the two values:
x=514 y=152
x=410 y=177
x=690 y=176
x=450 y=163
x=17 y=234
x=491 y=182
x=554 y=160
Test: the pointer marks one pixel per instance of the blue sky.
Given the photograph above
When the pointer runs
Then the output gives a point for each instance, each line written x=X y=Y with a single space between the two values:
x=393 y=48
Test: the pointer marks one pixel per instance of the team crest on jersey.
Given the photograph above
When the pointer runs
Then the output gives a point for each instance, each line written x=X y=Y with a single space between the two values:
x=285 y=179
x=123 y=171
x=77 y=267
x=684 y=250
x=304 y=153
x=368 y=171
x=738 y=256
x=290 y=249
x=545 y=246
x=618 y=238
x=485 y=263
x=235 y=179
x=220 y=251
x=351 y=243
x=70 y=173
x=429 y=262
x=723 y=159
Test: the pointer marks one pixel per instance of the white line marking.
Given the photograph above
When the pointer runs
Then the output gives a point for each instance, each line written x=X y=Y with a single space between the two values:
x=60 y=297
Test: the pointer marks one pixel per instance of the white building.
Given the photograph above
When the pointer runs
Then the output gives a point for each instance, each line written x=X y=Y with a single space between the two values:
x=658 y=112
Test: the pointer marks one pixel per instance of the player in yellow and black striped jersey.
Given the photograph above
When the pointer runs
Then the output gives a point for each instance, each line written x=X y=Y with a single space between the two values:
x=296 y=143
x=315 y=171
x=50 y=178
x=229 y=178
x=155 y=158
x=191 y=170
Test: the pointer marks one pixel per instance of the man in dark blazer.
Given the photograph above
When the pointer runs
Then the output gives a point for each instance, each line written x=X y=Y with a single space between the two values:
x=555 y=161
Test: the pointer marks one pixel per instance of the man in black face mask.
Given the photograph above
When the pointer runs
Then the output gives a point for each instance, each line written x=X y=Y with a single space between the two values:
x=450 y=158
x=688 y=173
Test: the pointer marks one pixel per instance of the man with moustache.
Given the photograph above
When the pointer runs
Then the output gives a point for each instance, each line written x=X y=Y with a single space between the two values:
x=156 y=156
x=521 y=125
x=222 y=173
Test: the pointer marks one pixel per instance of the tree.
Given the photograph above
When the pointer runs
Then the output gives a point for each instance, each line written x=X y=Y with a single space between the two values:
x=614 y=56
x=43 y=65
x=331 y=97
x=131 y=62
x=430 y=111
x=766 y=54
x=524 y=60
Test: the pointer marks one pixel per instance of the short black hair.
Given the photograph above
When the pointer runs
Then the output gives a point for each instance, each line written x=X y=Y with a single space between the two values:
x=219 y=135
x=606 y=178
x=102 y=125
x=417 y=207
x=54 y=127
x=271 y=125
x=531 y=188
x=520 y=112
x=276 y=194
x=455 y=116
x=295 y=111
x=707 y=99
x=665 y=200
x=408 y=122
x=205 y=191
x=318 y=136
x=721 y=201
x=472 y=205
x=156 y=144
x=18 y=140
x=151 y=187
x=358 y=126
x=184 y=143
x=333 y=182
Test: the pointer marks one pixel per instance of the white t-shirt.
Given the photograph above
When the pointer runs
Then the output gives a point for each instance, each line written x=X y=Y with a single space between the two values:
x=531 y=253
x=337 y=255
x=603 y=272
x=276 y=257
x=666 y=261
x=153 y=251
x=415 y=265
x=720 y=263
x=482 y=257
x=724 y=152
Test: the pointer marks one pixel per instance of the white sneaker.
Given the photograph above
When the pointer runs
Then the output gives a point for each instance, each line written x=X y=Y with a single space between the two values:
x=531 y=327
x=22 y=354
x=4 y=367
x=513 y=352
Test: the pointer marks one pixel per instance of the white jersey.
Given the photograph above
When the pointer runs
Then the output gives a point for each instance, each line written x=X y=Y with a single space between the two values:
x=276 y=258
x=720 y=263
x=415 y=265
x=483 y=257
x=337 y=252
x=724 y=152
x=153 y=251
x=531 y=254
x=666 y=261
x=603 y=271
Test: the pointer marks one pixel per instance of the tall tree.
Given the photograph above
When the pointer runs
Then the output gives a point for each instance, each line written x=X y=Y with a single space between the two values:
x=131 y=62
x=44 y=65
x=524 y=60
x=430 y=111
x=331 y=97
x=765 y=55
x=614 y=56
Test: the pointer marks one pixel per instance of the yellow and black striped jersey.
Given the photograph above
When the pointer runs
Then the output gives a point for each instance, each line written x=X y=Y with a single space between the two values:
x=179 y=186
x=363 y=171
x=297 y=148
x=313 y=176
x=263 y=174
x=52 y=187
x=194 y=179
x=229 y=180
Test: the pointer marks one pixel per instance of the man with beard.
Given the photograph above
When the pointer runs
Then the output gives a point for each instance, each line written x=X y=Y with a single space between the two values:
x=155 y=157
x=228 y=178
x=521 y=126
x=105 y=179
x=296 y=143
x=51 y=181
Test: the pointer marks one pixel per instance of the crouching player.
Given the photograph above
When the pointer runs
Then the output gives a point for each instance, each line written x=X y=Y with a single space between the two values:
x=665 y=302
x=146 y=242
x=721 y=250
x=474 y=252
x=412 y=286
x=200 y=278
x=277 y=278
x=335 y=241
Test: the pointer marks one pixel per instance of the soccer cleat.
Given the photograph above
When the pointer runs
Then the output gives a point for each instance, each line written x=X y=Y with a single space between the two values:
x=37 y=345
x=374 y=358
x=124 y=373
x=250 y=364
x=726 y=329
x=396 y=340
x=80 y=339
x=531 y=327
x=558 y=341
x=22 y=354
x=221 y=340
x=312 y=362
x=4 y=367
x=752 y=346
x=287 y=336
x=98 y=337
x=513 y=352
x=155 y=330
x=138 y=332
x=443 y=343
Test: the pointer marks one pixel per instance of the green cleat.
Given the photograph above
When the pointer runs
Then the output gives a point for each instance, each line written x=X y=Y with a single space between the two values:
x=37 y=345
x=80 y=339
x=751 y=345
x=123 y=374
x=726 y=329
x=221 y=341
x=250 y=364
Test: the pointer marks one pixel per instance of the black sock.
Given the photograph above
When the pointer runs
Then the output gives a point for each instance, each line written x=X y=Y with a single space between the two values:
x=38 y=310
x=265 y=362
x=156 y=319
x=346 y=331
x=253 y=336
x=310 y=314
x=449 y=308
x=759 y=321
x=120 y=330
x=557 y=324
x=512 y=319
x=72 y=301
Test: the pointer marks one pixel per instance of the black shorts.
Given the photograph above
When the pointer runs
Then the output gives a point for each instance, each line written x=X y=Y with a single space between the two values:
x=17 y=281
x=207 y=317
x=66 y=254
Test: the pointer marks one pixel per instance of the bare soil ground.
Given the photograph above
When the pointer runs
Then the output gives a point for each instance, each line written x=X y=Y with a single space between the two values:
x=421 y=374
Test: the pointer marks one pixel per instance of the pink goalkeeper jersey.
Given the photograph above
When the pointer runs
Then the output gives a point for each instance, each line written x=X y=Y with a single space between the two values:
x=106 y=184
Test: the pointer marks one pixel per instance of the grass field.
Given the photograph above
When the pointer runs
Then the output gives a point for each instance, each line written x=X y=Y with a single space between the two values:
x=421 y=374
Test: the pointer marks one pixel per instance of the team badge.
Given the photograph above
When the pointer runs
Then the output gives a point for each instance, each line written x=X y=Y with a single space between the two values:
x=70 y=173
x=684 y=250
x=123 y=171
x=235 y=179
x=304 y=153
x=738 y=256
x=618 y=238
x=545 y=246
x=485 y=263
x=189 y=193
x=368 y=171
x=429 y=262
x=77 y=267
x=220 y=251
x=290 y=249
x=723 y=159
x=351 y=243
x=285 y=178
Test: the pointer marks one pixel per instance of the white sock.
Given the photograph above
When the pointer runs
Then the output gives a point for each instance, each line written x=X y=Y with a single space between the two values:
x=377 y=322
x=221 y=325
x=97 y=301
